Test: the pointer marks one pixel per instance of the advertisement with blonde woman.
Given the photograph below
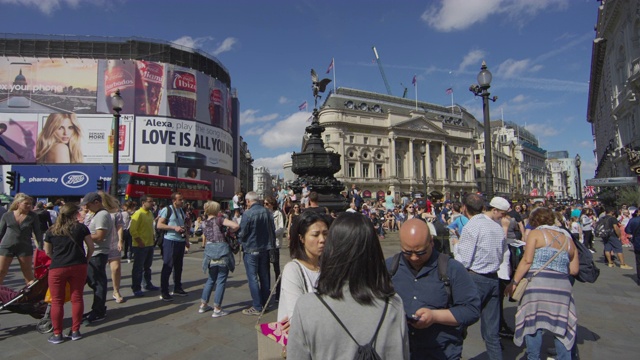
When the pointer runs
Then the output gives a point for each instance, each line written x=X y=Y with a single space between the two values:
x=59 y=140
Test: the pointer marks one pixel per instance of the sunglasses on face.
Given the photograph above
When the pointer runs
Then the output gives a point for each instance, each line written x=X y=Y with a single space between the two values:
x=416 y=253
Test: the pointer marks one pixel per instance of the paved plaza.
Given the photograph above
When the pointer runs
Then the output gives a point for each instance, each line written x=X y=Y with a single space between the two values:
x=143 y=328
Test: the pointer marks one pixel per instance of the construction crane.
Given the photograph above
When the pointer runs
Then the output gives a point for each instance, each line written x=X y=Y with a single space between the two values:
x=384 y=77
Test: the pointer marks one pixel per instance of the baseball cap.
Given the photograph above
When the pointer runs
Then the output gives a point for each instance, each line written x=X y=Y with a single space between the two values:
x=500 y=203
x=90 y=197
x=447 y=202
x=49 y=205
x=632 y=210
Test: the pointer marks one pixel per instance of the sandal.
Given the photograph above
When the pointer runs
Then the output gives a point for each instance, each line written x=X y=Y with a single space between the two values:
x=119 y=299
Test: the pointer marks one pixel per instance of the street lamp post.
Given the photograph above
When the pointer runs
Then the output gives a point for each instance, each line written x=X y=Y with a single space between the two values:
x=423 y=151
x=117 y=103
x=578 y=188
x=484 y=83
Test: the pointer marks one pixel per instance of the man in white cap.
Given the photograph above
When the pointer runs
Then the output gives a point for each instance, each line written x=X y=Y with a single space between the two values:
x=481 y=248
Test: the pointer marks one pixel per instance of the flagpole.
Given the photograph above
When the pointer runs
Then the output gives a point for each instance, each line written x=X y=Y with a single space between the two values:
x=333 y=61
x=452 y=101
x=416 y=87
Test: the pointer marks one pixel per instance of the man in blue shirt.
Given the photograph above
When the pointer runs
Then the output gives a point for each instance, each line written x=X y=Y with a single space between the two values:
x=173 y=246
x=257 y=235
x=480 y=249
x=436 y=322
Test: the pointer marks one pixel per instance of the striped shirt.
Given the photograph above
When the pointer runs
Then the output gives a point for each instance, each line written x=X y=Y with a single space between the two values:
x=481 y=245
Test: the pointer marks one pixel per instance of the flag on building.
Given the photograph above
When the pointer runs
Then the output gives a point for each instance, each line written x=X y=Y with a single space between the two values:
x=413 y=82
x=449 y=91
x=303 y=106
x=330 y=66
x=590 y=191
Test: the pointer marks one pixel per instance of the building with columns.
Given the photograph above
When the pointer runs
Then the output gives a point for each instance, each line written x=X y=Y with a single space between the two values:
x=519 y=164
x=262 y=182
x=387 y=141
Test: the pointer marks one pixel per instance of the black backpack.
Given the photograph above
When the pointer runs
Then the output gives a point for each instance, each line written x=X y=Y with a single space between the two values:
x=367 y=351
x=589 y=272
x=603 y=228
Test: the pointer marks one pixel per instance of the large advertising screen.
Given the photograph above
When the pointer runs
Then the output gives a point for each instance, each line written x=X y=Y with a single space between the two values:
x=58 y=111
x=200 y=145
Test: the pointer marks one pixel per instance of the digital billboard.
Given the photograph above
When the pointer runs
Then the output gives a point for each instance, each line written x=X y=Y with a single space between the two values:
x=58 y=111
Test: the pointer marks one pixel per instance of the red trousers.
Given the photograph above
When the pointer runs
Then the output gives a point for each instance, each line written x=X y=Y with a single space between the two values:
x=76 y=276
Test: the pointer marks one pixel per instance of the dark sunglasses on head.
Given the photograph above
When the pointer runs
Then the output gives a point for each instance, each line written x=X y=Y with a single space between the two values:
x=416 y=253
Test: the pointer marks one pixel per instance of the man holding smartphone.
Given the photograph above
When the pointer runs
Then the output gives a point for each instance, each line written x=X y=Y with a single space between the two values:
x=438 y=308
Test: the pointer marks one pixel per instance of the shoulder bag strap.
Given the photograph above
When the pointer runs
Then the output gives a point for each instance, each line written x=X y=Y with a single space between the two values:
x=264 y=308
x=304 y=278
x=552 y=258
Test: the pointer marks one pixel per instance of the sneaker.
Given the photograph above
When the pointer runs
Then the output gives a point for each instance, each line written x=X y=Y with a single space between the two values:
x=179 y=292
x=204 y=308
x=166 y=297
x=138 y=293
x=151 y=288
x=74 y=335
x=251 y=311
x=219 y=313
x=93 y=317
x=56 y=339
x=625 y=267
x=610 y=265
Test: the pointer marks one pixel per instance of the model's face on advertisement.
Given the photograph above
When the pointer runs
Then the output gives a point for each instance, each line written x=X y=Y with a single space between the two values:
x=64 y=131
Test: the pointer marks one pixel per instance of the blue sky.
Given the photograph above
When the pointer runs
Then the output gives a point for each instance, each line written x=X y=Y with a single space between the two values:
x=538 y=51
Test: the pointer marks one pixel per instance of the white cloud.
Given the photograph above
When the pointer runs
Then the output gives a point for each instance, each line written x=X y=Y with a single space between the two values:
x=192 y=43
x=473 y=57
x=512 y=68
x=518 y=98
x=49 y=6
x=452 y=15
x=286 y=133
x=455 y=15
x=226 y=45
x=255 y=131
x=249 y=117
x=283 y=100
x=274 y=164
x=543 y=130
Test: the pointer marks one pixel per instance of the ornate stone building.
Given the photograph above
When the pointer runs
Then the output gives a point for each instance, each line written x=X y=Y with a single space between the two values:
x=614 y=89
x=386 y=141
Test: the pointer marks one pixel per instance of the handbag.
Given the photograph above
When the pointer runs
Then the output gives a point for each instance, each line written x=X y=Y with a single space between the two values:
x=522 y=285
x=232 y=239
x=272 y=340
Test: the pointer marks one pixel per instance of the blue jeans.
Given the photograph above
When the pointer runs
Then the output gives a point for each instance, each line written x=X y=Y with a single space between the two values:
x=172 y=258
x=257 y=266
x=534 y=343
x=142 y=260
x=218 y=278
x=97 y=281
x=490 y=313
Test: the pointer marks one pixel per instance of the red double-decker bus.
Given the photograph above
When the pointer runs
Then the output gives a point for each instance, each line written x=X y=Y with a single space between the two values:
x=132 y=185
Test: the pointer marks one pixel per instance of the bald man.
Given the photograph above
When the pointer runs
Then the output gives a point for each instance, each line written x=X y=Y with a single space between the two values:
x=436 y=320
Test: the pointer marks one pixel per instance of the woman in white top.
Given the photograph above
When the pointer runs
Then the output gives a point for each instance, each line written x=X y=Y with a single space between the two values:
x=308 y=234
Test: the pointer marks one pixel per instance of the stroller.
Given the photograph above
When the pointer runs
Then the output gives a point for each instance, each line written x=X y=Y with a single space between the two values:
x=32 y=299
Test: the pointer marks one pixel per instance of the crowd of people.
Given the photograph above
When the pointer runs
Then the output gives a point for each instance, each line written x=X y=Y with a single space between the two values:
x=419 y=301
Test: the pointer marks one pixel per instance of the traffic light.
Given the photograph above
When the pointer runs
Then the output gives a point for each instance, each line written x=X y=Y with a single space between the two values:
x=12 y=177
x=100 y=184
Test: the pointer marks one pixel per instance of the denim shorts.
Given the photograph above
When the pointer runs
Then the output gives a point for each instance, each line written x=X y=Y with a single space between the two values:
x=614 y=244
